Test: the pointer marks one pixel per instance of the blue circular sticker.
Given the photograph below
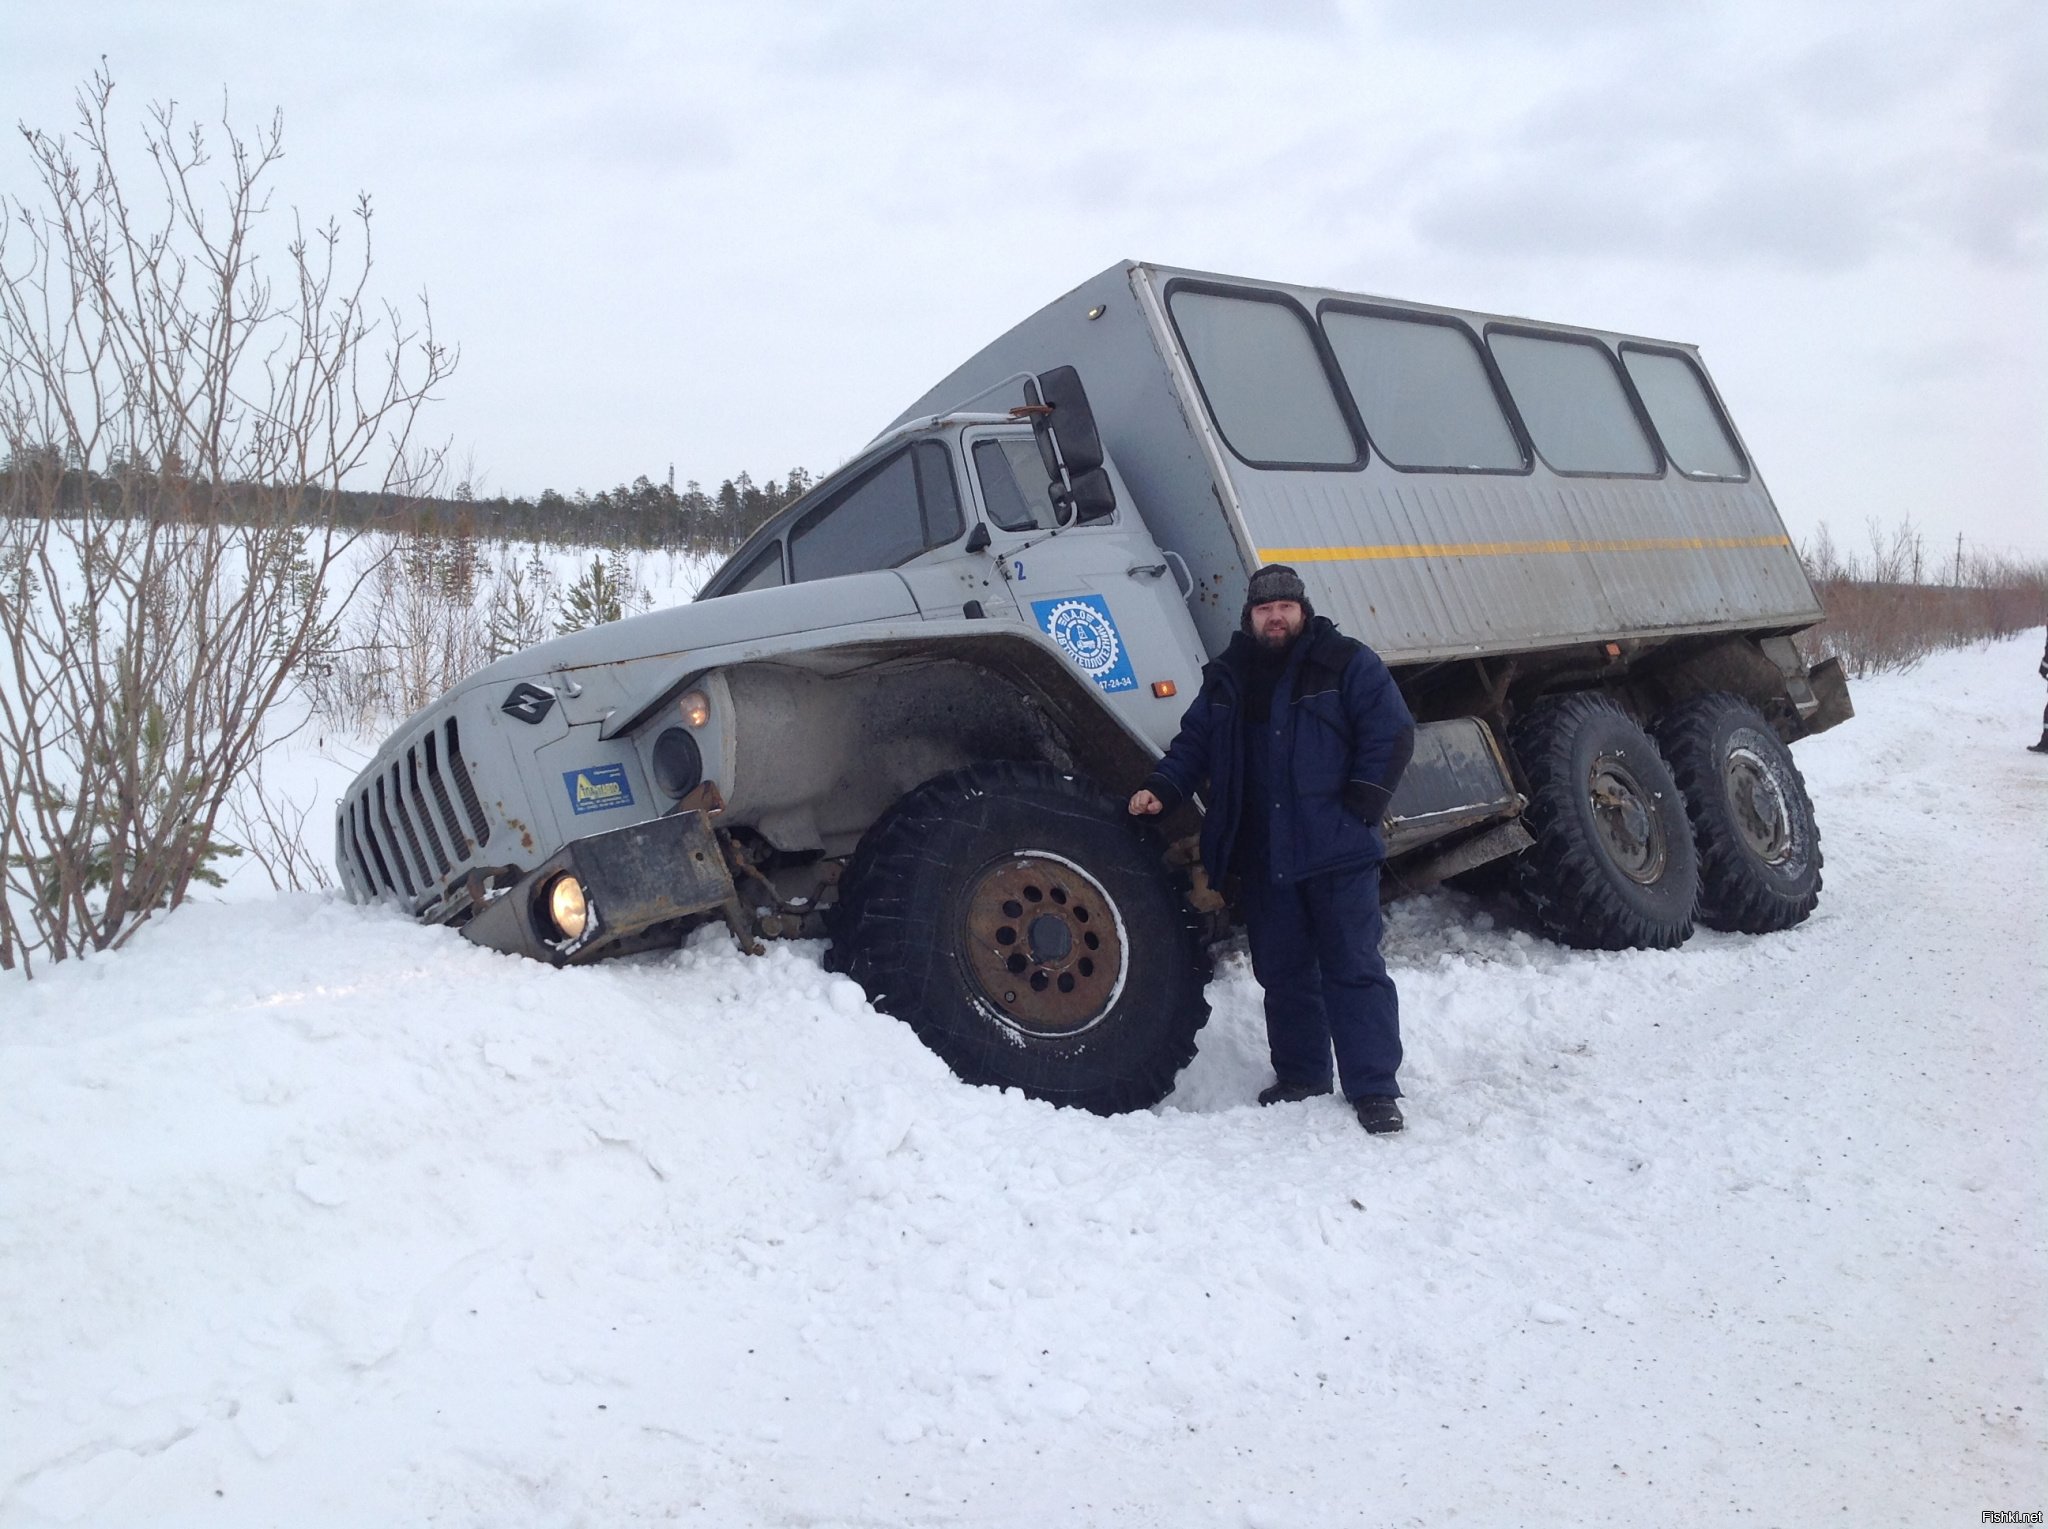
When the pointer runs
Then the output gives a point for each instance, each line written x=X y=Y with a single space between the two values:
x=1085 y=635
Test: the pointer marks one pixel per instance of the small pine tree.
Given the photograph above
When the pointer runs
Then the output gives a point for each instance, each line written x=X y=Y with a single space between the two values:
x=632 y=598
x=591 y=601
x=516 y=617
x=117 y=851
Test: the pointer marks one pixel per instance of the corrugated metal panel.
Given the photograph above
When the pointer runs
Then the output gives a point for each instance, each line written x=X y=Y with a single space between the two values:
x=1430 y=566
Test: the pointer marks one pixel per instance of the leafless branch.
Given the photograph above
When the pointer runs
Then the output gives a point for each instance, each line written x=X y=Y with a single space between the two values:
x=181 y=408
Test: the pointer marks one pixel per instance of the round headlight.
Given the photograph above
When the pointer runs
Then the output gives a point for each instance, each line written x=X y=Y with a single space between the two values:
x=696 y=708
x=678 y=763
x=568 y=907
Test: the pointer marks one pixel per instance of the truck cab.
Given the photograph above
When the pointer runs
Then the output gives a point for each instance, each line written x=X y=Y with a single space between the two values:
x=961 y=507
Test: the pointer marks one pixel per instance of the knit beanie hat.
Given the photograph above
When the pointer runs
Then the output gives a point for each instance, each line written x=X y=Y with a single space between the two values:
x=1275 y=581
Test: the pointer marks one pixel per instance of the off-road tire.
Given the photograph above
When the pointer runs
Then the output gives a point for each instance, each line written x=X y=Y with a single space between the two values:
x=1752 y=821
x=1100 y=927
x=1613 y=866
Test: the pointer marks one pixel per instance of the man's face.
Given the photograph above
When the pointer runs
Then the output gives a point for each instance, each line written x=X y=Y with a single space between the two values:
x=1276 y=623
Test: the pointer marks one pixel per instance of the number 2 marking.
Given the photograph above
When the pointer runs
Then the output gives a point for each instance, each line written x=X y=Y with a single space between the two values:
x=1018 y=565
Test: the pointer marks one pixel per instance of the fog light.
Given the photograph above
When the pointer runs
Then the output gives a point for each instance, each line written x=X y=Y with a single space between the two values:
x=567 y=907
x=696 y=708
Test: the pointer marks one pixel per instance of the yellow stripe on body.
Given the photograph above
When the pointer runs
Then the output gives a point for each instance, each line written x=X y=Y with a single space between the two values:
x=1512 y=549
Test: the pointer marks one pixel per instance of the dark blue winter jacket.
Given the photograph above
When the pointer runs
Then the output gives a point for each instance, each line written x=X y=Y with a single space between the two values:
x=1337 y=740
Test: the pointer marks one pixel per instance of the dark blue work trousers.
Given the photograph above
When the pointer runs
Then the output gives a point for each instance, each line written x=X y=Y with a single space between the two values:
x=1316 y=952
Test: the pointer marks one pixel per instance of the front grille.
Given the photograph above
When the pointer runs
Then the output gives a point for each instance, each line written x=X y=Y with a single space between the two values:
x=441 y=796
x=463 y=788
x=399 y=830
x=404 y=863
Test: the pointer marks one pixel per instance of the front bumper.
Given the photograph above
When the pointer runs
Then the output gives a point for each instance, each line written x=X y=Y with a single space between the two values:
x=636 y=881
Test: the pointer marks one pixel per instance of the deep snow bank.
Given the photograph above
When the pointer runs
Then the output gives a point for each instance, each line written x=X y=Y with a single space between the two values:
x=310 y=1216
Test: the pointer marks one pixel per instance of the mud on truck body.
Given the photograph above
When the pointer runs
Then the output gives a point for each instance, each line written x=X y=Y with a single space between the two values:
x=905 y=715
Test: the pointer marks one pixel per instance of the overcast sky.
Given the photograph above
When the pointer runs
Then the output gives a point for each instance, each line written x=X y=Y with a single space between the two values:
x=744 y=235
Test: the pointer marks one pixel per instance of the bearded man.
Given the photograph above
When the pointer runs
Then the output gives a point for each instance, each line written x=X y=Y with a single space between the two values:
x=1297 y=740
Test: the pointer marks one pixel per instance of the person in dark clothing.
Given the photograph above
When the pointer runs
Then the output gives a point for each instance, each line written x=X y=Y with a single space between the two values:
x=1298 y=739
x=2042 y=746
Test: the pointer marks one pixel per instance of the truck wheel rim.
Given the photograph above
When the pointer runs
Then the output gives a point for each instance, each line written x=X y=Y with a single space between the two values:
x=1044 y=943
x=1761 y=814
x=1625 y=818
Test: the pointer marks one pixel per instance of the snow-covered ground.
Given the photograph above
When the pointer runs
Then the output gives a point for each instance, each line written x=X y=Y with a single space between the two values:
x=309 y=1216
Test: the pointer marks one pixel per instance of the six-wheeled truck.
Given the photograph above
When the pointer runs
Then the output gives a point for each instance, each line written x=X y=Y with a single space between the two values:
x=905 y=714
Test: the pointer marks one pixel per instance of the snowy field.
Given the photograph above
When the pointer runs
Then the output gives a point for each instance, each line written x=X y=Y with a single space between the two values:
x=309 y=1217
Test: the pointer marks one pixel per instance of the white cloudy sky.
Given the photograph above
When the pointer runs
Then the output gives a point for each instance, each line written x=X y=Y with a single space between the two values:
x=727 y=235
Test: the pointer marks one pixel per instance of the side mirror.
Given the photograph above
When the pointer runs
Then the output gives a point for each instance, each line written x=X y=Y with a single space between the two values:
x=1071 y=422
x=1093 y=498
x=1069 y=445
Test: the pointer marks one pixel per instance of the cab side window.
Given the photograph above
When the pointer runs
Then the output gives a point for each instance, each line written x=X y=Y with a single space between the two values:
x=765 y=572
x=1013 y=484
x=885 y=517
x=937 y=493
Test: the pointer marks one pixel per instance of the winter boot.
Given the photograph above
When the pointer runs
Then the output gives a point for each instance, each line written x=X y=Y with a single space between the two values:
x=1379 y=1115
x=2042 y=746
x=1292 y=1093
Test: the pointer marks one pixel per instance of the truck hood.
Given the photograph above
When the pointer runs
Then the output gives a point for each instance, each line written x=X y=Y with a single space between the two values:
x=595 y=659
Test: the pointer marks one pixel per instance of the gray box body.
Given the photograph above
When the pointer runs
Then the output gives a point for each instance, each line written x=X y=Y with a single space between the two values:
x=1423 y=565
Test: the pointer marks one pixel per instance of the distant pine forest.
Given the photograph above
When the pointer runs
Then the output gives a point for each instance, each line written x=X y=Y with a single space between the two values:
x=640 y=515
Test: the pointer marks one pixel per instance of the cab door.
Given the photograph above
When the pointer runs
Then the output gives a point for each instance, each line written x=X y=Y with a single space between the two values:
x=1102 y=592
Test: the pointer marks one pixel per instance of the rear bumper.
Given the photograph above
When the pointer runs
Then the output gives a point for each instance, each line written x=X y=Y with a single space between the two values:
x=1829 y=689
x=635 y=880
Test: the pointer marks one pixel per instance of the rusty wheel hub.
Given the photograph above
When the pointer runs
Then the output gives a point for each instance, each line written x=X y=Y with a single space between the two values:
x=1044 y=943
x=1625 y=817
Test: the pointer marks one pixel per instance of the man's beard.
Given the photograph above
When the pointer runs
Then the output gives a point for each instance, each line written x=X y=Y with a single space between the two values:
x=1275 y=642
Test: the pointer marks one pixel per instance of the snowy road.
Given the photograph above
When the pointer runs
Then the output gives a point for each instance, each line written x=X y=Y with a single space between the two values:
x=308 y=1216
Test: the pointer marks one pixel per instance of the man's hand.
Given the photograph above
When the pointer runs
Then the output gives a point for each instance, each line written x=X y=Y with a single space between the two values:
x=1368 y=802
x=1144 y=803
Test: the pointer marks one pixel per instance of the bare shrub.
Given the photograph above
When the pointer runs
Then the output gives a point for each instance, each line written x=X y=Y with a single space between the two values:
x=271 y=826
x=1897 y=555
x=1879 y=618
x=179 y=414
x=432 y=611
x=415 y=626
